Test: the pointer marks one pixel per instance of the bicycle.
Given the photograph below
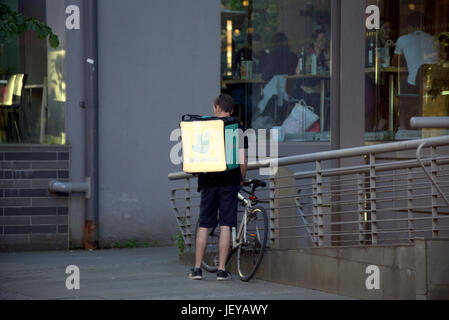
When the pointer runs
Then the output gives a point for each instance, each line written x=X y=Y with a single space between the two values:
x=249 y=242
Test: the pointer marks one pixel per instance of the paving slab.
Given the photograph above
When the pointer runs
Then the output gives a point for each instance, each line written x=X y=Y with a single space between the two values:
x=129 y=274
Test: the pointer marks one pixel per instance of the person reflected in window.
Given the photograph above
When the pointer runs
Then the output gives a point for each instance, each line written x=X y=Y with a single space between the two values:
x=280 y=60
x=386 y=35
x=376 y=84
x=320 y=48
x=443 y=39
x=254 y=52
x=418 y=48
x=309 y=89
x=242 y=92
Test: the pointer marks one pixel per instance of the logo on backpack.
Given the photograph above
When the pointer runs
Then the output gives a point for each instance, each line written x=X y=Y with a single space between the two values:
x=203 y=144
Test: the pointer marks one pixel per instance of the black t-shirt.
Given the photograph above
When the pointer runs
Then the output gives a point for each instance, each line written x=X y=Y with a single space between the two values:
x=219 y=179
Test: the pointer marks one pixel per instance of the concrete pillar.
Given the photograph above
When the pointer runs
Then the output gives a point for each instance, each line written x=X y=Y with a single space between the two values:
x=284 y=178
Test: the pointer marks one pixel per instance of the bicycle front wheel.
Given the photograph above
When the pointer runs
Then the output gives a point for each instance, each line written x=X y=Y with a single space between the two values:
x=250 y=253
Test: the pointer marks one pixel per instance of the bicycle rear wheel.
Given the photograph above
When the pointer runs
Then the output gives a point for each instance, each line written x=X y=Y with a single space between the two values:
x=210 y=260
x=250 y=253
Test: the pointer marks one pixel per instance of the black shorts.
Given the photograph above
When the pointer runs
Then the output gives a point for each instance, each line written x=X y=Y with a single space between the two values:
x=221 y=199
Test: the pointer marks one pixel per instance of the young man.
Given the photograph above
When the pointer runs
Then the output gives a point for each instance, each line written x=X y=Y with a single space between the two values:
x=418 y=48
x=219 y=193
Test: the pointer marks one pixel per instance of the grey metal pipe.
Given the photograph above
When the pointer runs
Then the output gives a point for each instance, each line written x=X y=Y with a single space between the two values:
x=399 y=165
x=91 y=120
x=69 y=187
x=337 y=154
x=360 y=151
x=429 y=122
x=429 y=175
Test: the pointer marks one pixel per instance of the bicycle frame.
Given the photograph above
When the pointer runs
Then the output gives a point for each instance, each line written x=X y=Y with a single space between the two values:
x=240 y=238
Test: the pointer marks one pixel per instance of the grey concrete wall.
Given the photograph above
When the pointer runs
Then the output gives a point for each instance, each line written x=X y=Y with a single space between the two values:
x=407 y=272
x=438 y=269
x=75 y=125
x=157 y=60
x=339 y=270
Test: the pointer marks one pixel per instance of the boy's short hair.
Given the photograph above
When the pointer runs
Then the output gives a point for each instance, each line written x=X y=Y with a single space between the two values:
x=225 y=102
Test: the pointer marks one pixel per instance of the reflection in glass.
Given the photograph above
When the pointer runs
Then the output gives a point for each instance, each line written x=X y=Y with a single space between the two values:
x=279 y=77
x=407 y=70
x=32 y=85
x=54 y=121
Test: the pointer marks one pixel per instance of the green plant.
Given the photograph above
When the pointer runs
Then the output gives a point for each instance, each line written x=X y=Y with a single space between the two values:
x=132 y=243
x=117 y=245
x=146 y=244
x=179 y=242
x=13 y=24
x=232 y=4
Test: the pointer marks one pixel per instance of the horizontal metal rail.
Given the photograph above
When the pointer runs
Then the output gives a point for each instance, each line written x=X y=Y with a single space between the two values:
x=384 y=200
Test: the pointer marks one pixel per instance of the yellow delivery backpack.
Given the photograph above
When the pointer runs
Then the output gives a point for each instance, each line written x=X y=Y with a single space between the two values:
x=209 y=144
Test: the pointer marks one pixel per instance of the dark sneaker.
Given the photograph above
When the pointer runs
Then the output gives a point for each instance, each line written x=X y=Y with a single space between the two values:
x=196 y=274
x=223 y=275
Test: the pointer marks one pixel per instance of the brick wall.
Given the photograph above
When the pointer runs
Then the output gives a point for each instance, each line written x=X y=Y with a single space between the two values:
x=30 y=217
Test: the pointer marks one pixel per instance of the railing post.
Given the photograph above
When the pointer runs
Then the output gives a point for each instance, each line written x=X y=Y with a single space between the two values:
x=411 y=224
x=300 y=213
x=434 y=192
x=319 y=203
x=361 y=207
x=373 y=198
x=188 y=222
x=315 y=212
x=272 y=232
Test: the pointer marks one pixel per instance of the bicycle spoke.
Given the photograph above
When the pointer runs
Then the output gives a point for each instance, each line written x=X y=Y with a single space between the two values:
x=249 y=255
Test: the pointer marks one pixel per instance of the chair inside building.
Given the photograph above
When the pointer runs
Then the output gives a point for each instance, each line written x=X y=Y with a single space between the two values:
x=11 y=104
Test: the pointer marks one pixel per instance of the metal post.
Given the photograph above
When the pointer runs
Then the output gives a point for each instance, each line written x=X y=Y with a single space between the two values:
x=411 y=224
x=315 y=212
x=188 y=220
x=319 y=200
x=434 y=192
x=361 y=207
x=334 y=107
x=272 y=232
x=391 y=106
x=372 y=180
x=91 y=237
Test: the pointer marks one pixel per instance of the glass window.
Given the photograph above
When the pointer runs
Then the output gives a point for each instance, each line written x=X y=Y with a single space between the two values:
x=407 y=68
x=275 y=63
x=32 y=84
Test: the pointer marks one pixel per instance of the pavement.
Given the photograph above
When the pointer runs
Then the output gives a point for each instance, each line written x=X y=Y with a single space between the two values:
x=129 y=274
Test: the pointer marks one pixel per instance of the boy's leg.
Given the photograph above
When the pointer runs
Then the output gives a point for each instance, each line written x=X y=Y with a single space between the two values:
x=228 y=218
x=208 y=219
x=223 y=246
x=201 y=243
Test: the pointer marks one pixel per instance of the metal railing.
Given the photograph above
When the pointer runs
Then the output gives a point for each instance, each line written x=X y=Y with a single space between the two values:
x=380 y=194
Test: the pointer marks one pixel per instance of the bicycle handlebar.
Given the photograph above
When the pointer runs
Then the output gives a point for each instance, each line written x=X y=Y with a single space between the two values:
x=255 y=183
